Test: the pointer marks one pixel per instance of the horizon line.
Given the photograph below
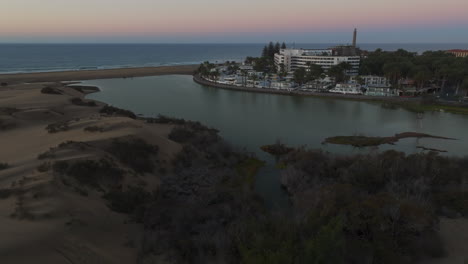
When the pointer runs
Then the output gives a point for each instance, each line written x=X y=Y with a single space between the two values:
x=216 y=43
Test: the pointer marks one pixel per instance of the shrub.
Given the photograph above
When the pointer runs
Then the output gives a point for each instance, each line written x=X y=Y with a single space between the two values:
x=181 y=134
x=90 y=172
x=46 y=155
x=131 y=201
x=50 y=90
x=5 y=193
x=58 y=127
x=43 y=167
x=268 y=241
x=3 y=84
x=135 y=153
x=162 y=119
x=111 y=110
x=4 y=166
x=81 y=102
x=93 y=129
x=6 y=124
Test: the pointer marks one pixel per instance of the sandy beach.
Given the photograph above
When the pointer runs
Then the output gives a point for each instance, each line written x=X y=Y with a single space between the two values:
x=96 y=74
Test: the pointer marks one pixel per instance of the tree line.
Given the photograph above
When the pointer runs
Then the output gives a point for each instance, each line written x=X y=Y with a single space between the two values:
x=437 y=68
x=271 y=49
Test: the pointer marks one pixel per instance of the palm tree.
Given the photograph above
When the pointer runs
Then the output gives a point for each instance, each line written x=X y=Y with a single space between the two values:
x=464 y=86
x=313 y=72
x=244 y=77
x=215 y=74
x=254 y=78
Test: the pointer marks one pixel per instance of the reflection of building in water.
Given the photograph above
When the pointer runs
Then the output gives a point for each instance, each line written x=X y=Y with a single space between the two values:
x=419 y=118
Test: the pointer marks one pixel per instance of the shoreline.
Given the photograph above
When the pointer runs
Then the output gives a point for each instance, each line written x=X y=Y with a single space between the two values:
x=82 y=75
x=410 y=104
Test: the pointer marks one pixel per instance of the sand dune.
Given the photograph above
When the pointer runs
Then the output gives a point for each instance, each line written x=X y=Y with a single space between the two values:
x=44 y=221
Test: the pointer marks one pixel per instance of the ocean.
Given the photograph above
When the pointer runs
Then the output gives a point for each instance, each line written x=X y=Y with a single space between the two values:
x=17 y=58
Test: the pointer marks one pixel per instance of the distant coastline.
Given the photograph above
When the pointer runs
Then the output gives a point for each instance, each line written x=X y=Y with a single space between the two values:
x=79 y=75
x=29 y=58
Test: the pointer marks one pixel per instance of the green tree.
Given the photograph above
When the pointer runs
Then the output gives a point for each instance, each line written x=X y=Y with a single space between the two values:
x=265 y=52
x=464 y=86
x=271 y=50
x=360 y=80
x=277 y=47
x=339 y=71
x=314 y=72
x=283 y=46
x=421 y=75
x=215 y=74
x=254 y=78
x=300 y=76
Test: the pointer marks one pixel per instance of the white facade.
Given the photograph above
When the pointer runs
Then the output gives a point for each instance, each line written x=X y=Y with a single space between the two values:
x=371 y=80
x=297 y=58
x=347 y=88
x=375 y=90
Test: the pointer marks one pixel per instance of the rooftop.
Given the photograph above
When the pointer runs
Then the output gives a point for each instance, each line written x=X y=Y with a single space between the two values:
x=457 y=50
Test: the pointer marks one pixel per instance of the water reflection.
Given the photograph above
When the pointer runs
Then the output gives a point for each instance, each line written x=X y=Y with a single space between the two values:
x=251 y=120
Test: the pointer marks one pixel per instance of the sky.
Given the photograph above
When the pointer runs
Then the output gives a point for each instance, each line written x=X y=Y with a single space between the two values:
x=233 y=21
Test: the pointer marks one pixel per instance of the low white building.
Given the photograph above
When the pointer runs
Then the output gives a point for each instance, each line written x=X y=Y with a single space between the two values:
x=347 y=88
x=297 y=58
x=370 y=80
x=381 y=90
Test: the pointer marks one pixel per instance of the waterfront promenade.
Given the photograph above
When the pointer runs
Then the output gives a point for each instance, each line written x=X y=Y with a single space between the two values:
x=198 y=79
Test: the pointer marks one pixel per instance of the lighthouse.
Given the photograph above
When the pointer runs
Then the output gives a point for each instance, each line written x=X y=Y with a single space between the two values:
x=354 y=38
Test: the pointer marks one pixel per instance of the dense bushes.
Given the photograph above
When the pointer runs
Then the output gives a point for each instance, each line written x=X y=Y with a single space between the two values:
x=4 y=166
x=58 y=127
x=91 y=173
x=162 y=119
x=383 y=207
x=6 y=124
x=5 y=193
x=181 y=134
x=132 y=201
x=206 y=194
x=81 y=102
x=111 y=110
x=135 y=153
x=50 y=90
x=93 y=129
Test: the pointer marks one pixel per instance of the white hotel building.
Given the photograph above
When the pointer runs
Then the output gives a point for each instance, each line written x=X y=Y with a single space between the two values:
x=297 y=58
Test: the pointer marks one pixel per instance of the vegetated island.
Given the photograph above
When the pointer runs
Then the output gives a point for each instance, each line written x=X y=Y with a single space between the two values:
x=365 y=141
x=277 y=149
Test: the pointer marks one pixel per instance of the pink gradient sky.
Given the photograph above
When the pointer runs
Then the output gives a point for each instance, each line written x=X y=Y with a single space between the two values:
x=217 y=20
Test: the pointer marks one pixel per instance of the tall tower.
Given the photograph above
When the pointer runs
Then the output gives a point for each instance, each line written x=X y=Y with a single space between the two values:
x=355 y=37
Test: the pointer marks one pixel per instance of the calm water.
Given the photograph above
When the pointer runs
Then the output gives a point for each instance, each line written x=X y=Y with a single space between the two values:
x=56 y=57
x=251 y=120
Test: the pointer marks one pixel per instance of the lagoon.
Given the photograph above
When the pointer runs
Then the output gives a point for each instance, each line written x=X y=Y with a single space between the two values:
x=250 y=120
